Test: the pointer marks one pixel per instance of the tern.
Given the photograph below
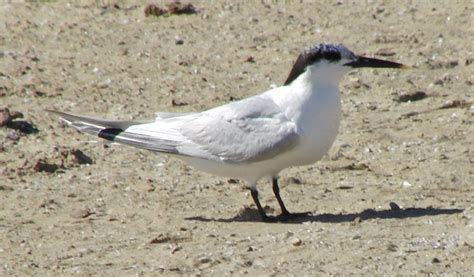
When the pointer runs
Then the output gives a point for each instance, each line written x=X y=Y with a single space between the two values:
x=256 y=137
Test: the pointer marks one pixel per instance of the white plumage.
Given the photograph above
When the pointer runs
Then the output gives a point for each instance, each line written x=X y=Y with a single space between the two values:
x=256 y=137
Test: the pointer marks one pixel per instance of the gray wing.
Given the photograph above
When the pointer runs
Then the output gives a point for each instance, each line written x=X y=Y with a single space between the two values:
x=250 y=130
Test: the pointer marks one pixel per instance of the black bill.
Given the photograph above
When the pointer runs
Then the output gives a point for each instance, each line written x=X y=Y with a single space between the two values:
x=371 y=62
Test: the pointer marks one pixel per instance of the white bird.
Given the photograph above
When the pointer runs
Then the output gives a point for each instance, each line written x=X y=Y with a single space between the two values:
x=256 y=137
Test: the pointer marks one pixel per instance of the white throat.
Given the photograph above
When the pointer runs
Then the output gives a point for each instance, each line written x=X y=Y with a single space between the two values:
x=313 y=103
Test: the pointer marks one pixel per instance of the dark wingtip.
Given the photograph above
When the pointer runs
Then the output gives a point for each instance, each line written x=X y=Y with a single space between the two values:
x=109 y=133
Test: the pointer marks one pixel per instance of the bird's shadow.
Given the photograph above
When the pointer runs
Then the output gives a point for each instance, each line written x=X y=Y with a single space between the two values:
x=251 y=215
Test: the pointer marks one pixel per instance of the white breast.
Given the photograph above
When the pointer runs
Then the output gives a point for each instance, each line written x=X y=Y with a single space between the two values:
x=314 y=104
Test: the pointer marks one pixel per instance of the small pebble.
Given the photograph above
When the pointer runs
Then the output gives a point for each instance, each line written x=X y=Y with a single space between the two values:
x=295 y=180
x=250 y=59
x=5 y=117
x=176 y=248
x=178 y=40
x=43 y=166
x=13 y=135
x=386 y=52
x=232 y=181
x=176 y=103
x=153 y=9
x=288 y=235
x=81 y=213
x=405 y=184
x=176 y=7
x=392 y=247
x=204 y=260
x=79 y=157
x=411 y=97
x=296 y=242
x=104 y=84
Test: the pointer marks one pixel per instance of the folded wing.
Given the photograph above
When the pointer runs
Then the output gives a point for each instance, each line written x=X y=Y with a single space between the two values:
x=250 y=130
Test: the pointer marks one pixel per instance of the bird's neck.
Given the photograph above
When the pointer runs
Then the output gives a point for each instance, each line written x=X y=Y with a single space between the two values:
x=318 y=109
x=315 y=90
x=314 y=93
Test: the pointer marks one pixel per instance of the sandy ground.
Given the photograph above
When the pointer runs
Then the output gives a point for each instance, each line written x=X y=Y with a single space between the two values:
x=132 y=212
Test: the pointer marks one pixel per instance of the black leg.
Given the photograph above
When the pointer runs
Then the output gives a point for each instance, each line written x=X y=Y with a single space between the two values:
x=262 y=213
x=285 y=214
x=276 y=191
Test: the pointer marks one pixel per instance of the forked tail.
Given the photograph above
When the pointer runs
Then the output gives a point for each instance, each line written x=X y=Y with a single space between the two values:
x=118 y=131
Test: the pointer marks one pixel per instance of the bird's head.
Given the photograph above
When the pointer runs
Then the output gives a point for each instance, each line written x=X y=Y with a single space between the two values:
x=329 y=61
